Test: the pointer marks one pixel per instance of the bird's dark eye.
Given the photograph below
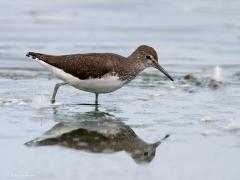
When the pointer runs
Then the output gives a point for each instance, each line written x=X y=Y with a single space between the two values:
x=148 y=57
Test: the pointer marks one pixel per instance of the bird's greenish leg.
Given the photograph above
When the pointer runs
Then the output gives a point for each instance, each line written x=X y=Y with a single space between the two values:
x=55 y=91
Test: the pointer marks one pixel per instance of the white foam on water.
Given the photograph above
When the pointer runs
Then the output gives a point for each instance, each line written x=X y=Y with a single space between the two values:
x=153 y=94
x=205 y=133
x=56 y=104
x=4 y=101
x=205 y=119
x=23 y=103
x=7 y=101
x=185 y=85
x=218 y=74
x=233 y=125
x=40 y=102
x=170 y=86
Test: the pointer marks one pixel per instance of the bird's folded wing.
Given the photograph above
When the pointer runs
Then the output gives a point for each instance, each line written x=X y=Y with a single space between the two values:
x=82 y=66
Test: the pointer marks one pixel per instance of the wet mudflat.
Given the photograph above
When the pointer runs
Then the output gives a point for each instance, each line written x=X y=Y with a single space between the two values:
x=122 y=139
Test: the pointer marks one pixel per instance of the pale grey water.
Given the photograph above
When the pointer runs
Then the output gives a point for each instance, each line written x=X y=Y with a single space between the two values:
x=190 y=36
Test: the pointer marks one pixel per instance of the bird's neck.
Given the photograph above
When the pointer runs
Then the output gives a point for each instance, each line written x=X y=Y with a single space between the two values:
x=135 y=65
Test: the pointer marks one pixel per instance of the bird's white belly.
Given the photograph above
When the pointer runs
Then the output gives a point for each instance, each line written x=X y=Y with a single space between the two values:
x=105 y=84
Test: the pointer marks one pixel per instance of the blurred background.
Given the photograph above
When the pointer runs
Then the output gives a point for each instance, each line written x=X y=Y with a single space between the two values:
x=198 y=42
x=183 y=32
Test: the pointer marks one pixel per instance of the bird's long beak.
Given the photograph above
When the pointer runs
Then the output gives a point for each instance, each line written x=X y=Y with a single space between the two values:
x=160 y=68
x=156 y=144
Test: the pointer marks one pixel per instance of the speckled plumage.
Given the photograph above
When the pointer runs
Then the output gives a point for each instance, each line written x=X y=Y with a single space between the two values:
x=98 y=72
x=96 y=65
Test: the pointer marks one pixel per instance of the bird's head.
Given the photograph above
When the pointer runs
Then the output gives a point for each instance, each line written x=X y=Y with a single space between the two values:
x=149 y=58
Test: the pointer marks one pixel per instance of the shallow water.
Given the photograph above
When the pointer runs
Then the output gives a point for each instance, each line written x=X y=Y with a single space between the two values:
x=200 y=114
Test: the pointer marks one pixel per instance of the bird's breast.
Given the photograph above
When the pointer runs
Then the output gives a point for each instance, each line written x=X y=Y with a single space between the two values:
x=105 y=84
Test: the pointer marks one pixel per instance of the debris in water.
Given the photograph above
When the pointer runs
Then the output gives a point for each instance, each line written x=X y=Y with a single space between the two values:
x=236 y=76
x=190 y=77
x=193 y=80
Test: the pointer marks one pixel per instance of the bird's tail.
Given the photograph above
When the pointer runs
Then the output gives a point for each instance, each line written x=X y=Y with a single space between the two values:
x=39 y=56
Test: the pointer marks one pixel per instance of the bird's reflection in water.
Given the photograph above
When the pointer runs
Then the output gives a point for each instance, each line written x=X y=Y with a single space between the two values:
x=98 y=132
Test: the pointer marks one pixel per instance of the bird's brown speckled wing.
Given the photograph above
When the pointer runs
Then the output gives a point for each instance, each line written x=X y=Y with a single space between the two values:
x=82 y=66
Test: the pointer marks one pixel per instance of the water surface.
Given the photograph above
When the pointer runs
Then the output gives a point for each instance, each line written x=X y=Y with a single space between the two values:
x=200 y=114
